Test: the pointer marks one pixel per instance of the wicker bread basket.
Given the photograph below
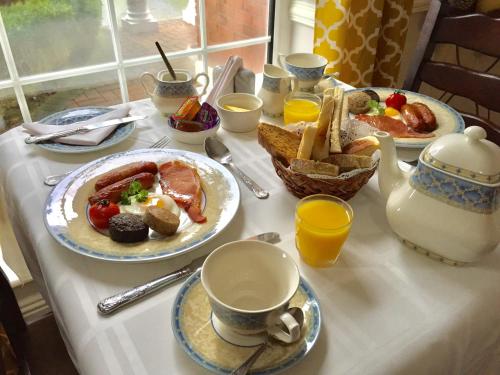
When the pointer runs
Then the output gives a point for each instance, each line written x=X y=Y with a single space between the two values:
x=345 y=186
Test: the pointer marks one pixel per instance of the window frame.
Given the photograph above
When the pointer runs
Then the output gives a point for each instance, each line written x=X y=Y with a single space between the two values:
x=119 y=65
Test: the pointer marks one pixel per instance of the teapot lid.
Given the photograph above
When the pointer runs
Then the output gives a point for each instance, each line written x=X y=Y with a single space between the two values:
x=469 y=155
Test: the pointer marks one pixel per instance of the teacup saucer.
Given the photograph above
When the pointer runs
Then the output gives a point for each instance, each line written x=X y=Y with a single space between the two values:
x=194 y=331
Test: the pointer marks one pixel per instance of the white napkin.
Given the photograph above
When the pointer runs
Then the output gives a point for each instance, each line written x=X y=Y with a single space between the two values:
x=225 y=82
x=91 y=138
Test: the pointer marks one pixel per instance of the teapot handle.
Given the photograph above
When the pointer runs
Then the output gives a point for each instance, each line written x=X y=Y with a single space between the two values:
x=207 y=81
x=144 y=75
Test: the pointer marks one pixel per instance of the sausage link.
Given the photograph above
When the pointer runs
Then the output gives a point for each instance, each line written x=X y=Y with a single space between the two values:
x=412 y=117
x=114 y=191
x=128 y=170
x=427 y=116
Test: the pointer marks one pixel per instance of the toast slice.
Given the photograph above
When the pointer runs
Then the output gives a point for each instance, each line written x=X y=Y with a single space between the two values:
x=335 y=145
x=348 y=162
x=314 y=167
x=307 y=141
x=280 y=143
x=322 y=141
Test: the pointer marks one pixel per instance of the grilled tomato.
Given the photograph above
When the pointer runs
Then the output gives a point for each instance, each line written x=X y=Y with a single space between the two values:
x=101 y=212
x=396 y=100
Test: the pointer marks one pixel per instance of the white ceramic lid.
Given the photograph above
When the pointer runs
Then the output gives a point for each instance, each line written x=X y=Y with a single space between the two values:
x=469 y=155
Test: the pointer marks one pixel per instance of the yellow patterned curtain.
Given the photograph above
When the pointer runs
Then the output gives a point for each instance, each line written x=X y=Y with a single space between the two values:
x=362 y=39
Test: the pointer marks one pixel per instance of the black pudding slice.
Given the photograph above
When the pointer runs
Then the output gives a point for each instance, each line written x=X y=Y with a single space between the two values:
x=127 y=228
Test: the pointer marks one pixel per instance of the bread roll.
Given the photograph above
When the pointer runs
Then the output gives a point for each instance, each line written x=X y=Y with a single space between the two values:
x=362 y=146
x=307 y=141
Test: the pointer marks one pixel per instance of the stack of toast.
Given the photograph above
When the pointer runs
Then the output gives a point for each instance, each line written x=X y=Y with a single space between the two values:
x=317 y=148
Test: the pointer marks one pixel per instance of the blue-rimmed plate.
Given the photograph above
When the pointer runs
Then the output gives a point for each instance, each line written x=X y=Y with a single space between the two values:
x=447 y=119
x=69 y=116
x=66 y=209
x=194 y=332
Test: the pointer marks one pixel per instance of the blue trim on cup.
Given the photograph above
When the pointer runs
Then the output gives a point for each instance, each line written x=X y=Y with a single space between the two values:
x=306 y=74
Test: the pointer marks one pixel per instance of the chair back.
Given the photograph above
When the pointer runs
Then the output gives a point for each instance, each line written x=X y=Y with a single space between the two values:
x=477 y=32
x=13 y=322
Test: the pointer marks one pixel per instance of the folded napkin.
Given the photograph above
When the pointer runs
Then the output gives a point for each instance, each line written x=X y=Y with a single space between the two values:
x=91 y=138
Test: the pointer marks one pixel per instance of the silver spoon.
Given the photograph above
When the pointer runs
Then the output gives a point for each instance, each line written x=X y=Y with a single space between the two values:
x=297 y=313
x=219 y=152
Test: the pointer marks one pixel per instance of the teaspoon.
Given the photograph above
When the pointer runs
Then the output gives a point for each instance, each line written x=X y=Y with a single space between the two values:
x=297 y=313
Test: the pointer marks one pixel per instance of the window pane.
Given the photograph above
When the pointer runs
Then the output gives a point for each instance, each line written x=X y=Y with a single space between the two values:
x=230 y=20
x=254 y=57
x=100 y=89
x=193 y=64
x=50 y=35
x=173 y=23
x=4 y=73
x=10 y=115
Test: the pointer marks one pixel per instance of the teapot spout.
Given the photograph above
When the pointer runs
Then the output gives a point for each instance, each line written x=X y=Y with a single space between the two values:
x=389 y=173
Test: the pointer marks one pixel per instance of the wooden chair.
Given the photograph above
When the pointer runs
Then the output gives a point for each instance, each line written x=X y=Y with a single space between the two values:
x=38 y=347
x=477 y=32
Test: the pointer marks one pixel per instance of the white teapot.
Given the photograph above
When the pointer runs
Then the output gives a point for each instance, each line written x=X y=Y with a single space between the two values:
x=446 y=207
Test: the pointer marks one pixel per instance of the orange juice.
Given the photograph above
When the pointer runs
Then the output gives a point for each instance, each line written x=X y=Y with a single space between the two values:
x=322 y=224
x=301 y=110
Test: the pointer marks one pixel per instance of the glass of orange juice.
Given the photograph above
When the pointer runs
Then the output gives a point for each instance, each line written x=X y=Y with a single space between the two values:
x=301 y=106
x=322 y=224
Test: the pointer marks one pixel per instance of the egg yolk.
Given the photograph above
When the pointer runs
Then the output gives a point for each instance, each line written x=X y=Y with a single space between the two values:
x=389 y=111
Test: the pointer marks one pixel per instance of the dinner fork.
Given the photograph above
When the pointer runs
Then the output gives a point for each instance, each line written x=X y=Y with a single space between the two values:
x=55 y=179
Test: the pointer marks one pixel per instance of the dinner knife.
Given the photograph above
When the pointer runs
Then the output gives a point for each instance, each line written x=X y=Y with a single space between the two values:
x=113 y=303
x=82 y=129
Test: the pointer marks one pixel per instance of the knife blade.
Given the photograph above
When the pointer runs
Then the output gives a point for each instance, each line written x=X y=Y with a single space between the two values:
x=113 y=303
x=82 y=129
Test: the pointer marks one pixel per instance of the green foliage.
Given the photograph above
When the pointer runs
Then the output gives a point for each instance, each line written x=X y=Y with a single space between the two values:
x=21 y=15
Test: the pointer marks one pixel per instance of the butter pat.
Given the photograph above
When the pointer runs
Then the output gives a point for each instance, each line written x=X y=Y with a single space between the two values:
x=235 y=108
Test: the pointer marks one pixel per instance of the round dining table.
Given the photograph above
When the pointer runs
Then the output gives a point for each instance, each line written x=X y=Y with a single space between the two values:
x=385 y=309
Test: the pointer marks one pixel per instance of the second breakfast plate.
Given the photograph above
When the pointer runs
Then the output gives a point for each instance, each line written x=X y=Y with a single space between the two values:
x=73 y=115
x=448 y=120
x=66 y=209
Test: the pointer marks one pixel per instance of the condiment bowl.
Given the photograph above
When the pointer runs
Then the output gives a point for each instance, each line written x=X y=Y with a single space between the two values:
x=192 y=138
x=240 y=122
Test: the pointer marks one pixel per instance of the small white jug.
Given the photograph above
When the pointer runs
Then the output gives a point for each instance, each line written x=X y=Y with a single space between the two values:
x=276 y=85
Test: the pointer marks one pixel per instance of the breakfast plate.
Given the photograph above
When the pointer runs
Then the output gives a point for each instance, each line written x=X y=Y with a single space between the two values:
x=192 y=327
x=67 y=207
x=447 y=119
x=73 y=115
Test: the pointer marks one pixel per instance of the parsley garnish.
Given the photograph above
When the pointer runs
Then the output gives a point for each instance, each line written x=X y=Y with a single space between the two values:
x=134 y=191
x=376 y=107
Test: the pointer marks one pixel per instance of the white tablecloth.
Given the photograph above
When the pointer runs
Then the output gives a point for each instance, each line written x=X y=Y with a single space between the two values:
x=385 y=308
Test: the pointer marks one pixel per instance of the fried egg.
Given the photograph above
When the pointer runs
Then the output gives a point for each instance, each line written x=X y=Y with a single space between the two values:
x=153 y=199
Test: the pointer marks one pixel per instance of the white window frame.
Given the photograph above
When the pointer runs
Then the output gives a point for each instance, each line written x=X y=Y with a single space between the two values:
x=118 y=65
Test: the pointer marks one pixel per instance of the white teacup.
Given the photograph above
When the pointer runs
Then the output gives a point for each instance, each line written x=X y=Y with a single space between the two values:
x=249 y=285
x=307 y=67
